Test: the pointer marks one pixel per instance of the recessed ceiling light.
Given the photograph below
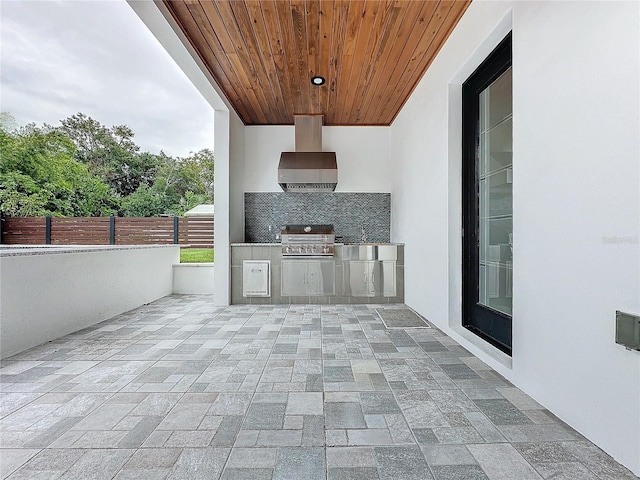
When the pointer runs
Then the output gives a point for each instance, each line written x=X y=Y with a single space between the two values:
x=317 y=80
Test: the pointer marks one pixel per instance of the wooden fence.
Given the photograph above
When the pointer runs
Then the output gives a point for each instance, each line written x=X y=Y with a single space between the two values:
x=196 y=232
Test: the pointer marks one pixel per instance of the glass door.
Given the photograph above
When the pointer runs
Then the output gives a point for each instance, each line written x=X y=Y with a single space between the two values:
x=488 y=199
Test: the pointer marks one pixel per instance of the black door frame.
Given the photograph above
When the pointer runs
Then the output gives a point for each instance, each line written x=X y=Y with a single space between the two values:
x=492 y=326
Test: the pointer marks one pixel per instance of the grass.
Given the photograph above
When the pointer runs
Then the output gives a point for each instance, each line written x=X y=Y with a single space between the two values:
x=196 y=255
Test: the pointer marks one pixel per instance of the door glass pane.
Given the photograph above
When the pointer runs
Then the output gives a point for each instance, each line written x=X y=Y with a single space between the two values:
x=498 y=98
x=495 y=158
x=499 y=148
x=499 y=194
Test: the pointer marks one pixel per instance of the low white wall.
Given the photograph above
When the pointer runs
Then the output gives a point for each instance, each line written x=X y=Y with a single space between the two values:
x=576 y=203
x=193 y=278
x=45 y=295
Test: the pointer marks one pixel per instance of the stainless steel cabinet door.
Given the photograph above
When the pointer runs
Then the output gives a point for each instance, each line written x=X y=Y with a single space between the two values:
x=388 y=279
x=308 y=277
x=370 y=278
x=256 y=278
x=294 y=278
x=321 y=278
x=357 y=276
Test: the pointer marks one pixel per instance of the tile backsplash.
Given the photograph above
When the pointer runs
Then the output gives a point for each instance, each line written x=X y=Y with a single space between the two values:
x=265 y=213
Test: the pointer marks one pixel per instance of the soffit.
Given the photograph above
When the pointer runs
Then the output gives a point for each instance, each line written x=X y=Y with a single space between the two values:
x=263 y=53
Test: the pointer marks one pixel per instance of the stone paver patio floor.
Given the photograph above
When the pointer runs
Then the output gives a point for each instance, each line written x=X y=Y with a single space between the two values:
x=182 y=389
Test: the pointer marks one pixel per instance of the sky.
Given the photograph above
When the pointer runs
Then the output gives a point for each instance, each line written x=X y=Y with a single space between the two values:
x=59 y=58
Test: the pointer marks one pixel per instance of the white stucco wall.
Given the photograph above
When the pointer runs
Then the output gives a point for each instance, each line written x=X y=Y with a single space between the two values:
x=236 y=180
x=46 y=296
x=576 y=203
x=193 y=278
x=229 y=199
x=362 y=154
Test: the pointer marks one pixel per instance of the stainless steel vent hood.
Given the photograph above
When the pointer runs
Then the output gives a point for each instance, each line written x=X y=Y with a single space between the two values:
x=308 y=169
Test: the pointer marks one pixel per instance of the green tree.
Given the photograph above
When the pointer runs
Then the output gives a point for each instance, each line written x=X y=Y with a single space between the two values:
x=144 y=202
x=187 y=181
x=83 y=168
x=39 y=176
x=193 y=174
x=191 y=200
x=110 y=153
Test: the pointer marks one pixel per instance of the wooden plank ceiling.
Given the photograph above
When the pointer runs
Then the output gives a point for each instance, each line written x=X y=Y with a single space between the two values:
x=263 y=53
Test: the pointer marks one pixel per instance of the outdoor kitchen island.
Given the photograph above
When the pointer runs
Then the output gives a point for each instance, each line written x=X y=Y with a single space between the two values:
x=355 y=273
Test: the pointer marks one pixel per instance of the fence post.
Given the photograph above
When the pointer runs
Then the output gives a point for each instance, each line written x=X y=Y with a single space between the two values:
x=112 y=230
x=47 y=230
x=175 y=230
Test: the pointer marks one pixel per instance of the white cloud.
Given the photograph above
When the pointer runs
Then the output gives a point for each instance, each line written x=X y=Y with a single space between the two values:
x=59 y=58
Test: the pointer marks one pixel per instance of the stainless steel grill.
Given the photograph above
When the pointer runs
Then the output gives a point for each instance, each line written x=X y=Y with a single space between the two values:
x=307 y=240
